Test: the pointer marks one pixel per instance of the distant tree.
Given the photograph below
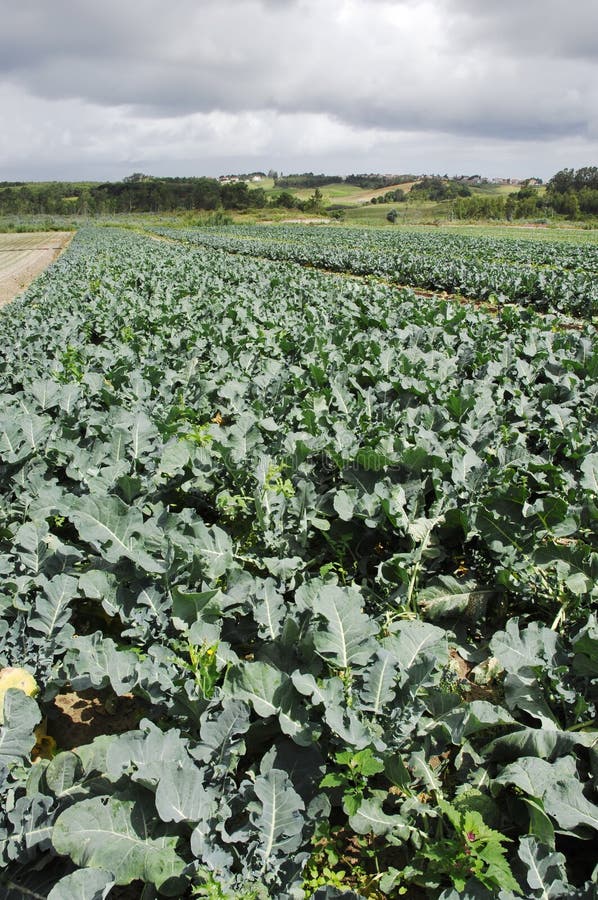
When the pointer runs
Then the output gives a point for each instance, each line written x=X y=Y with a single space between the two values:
x=588 y=201
x=435 y=187
x=286 y=200
x=257 y=198
x=392 y=216
x=306 y=180
x=586 y=177
x=562 y=182
x=570 y=206
x=315 y=201
x=236 y=195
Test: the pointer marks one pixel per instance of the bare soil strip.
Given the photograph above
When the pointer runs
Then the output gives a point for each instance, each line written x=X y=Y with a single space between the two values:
x=24 y=256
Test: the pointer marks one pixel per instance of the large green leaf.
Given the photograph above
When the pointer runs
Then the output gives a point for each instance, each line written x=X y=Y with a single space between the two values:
x=449 y=597
x=33 y=540
x=181 y=795
x=546 y=873
x=269 y=610
x=114 y=528
x=419 y=649
x=96 y=661
x=120 y=836
x=566 y=803
x=474 y=717
x=339 y=716
x=276 y=816
x=379 y=680
x=589 y=467
x=344 y=638
x=557 y=788
x=370 y=818
x=222 y=732
x=526 y=649
x=52 y=610
x=534 y=776
x=214 y=549
x=145 y=754
x=546 y=743
x=271 y=693
x=414 y=640
x=21 y=715
x=84 y=884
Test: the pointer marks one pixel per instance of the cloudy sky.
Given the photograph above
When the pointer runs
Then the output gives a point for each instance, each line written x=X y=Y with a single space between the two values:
x=98 y=90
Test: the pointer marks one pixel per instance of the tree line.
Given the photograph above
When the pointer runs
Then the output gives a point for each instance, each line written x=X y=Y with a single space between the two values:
x=569 y=193
x=133 y=194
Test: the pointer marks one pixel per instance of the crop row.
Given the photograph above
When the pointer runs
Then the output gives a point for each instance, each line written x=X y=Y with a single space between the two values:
x=551 y=278
x=294 y=517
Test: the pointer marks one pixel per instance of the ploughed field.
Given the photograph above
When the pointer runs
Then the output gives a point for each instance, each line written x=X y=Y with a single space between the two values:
x=318 y=558
x=24 y=256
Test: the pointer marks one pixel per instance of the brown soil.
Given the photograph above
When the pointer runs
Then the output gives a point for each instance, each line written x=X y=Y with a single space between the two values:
x=322 y=220
x=24 y=256
x=79 y=717
x=474 y=691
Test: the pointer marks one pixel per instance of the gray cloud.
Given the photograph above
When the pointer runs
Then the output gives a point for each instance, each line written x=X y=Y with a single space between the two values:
x=371 y=70
x=551 y=29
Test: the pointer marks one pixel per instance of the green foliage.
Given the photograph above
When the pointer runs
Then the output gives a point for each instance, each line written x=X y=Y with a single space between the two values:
x=294 y=518
x=550 y=278
x=202 y=663
x=472 y=851
x=353 y=779
x=72 y=362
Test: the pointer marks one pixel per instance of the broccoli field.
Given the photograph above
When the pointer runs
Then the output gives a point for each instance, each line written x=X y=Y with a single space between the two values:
x=333 y=544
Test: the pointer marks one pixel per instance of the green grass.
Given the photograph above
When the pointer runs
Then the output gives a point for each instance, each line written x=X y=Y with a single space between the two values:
x=266 y=183
x=559 y=232
x=331 y=192
x=338 y=192
x=413 y=213
x=494 y=190
x=502 y=190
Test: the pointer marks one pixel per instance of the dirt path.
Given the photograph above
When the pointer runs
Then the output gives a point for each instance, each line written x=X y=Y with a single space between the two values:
x=24 y=256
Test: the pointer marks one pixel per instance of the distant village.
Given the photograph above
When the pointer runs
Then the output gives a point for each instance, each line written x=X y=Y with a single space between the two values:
x=473 y=180
x=252 y=178
x=477 y=180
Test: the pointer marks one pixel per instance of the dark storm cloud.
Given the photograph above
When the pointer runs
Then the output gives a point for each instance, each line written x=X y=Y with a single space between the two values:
x=540 y=28
x=468 y=69
x=454 y=64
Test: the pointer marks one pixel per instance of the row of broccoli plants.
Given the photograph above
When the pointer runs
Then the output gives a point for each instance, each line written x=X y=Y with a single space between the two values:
x=335 y=543
x=552 y=278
